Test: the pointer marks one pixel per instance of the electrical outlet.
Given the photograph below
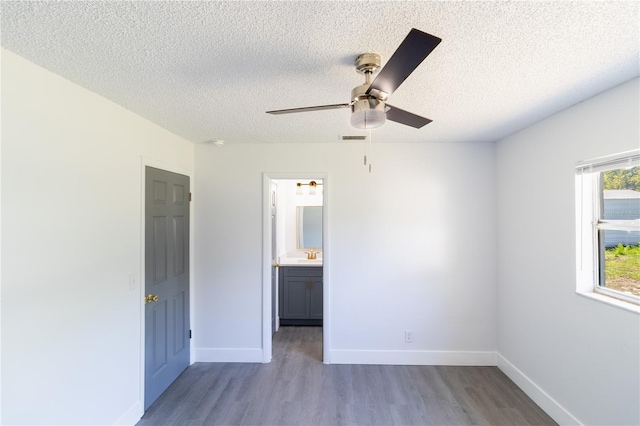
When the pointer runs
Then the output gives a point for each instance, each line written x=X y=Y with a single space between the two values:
x=408 y=336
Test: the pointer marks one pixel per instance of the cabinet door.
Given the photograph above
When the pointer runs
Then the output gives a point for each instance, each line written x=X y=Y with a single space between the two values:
x=296 y=298
x=315 y=298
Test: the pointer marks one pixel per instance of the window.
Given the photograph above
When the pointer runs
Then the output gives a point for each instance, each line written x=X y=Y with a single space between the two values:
x=608 y=226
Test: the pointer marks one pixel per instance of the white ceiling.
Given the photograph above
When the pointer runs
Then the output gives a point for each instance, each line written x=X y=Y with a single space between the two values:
x=210 y=70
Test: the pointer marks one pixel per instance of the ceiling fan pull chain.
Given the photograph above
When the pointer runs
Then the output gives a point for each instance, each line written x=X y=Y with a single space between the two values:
x=365 y=149
x=370 y=149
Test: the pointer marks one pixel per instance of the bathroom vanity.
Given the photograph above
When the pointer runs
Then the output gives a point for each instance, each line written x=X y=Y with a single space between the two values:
x=300 y=295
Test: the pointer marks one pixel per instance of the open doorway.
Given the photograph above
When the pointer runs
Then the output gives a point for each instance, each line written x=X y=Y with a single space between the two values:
x=295 y=246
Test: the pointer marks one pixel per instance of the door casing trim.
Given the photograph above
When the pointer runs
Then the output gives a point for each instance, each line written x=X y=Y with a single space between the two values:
x=150 y=162
x=267 y=177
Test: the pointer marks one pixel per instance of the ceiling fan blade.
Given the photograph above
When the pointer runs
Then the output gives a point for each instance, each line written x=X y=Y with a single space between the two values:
x=305 y=109
x=411 y=52
x=405 y=117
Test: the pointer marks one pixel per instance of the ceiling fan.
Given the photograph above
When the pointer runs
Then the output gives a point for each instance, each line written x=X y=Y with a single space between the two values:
x=369 y=107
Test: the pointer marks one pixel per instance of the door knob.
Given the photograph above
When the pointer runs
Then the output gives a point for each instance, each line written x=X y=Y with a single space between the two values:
x=276 y=265
x=150 y=298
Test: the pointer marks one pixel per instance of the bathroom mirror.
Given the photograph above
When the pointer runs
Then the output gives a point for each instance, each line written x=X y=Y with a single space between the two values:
x=309 y=227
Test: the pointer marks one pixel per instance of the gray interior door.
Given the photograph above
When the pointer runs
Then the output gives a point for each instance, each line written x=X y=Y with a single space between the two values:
x=166 y=280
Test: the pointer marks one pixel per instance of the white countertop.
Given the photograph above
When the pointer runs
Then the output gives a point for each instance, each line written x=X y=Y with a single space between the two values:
x=299 y=261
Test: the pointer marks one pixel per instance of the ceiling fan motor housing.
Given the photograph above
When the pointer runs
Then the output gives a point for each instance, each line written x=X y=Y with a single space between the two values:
x=367 y=111
x=361 y=100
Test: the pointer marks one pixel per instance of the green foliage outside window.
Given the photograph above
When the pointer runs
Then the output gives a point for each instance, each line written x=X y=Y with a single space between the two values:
x=622 y=263
x=622 y=269
x=622 y=179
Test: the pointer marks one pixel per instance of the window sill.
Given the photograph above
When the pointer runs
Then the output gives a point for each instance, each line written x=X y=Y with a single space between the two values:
x=627 y=306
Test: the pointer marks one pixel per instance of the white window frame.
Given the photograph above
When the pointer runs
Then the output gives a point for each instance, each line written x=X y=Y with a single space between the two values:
x=589 y=252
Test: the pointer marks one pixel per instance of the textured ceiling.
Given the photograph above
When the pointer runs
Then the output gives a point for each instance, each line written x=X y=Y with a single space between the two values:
x=210 y=70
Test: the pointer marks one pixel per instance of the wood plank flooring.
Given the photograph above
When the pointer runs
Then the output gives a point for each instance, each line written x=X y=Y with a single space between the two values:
x=297 y=389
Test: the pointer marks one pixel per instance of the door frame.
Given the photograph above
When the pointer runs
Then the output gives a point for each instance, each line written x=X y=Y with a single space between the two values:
x=144 y=162
x=267 y=177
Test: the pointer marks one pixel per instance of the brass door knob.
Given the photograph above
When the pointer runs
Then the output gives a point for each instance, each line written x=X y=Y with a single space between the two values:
x=150 y=298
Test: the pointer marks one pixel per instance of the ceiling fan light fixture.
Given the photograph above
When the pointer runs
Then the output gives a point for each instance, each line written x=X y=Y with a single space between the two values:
x=368 y=118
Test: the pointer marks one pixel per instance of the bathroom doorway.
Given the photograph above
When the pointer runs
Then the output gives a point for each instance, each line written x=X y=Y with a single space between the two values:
x=295 y=285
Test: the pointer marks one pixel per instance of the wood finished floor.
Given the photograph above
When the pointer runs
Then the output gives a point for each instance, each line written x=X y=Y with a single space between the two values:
x=297 y=389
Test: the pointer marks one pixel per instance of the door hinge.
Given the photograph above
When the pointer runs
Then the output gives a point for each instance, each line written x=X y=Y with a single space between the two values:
x=189 y=196
x=190 y=334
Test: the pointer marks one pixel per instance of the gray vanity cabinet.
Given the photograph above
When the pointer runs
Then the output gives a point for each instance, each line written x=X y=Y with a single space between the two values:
x=300 y=295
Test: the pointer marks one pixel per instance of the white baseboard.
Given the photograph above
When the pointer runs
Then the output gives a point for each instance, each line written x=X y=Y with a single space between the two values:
x=413 y=357
x=132 y=416
x=556 y=411
x=228 y=355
